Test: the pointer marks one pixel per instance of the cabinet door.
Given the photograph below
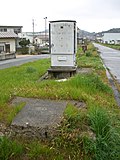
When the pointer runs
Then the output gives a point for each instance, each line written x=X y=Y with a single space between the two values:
x=62 y=38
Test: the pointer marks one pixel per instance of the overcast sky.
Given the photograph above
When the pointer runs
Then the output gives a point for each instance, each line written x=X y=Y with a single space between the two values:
x=91 y=15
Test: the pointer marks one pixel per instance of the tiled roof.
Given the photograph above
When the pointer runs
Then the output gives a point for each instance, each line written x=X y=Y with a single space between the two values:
x=10 y=26
x=8 y=35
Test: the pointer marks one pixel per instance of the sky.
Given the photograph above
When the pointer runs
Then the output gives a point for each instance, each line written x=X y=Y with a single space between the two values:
x=90 y=15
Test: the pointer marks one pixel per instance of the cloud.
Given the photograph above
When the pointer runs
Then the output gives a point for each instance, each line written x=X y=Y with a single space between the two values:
x=89 y=14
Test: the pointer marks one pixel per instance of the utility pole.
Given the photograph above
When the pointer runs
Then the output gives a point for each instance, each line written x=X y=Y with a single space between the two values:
x=33 y=29
x=45 y=29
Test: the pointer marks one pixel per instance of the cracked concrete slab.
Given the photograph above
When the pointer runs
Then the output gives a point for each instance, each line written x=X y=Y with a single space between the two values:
x=39 y=118
x=38 y=112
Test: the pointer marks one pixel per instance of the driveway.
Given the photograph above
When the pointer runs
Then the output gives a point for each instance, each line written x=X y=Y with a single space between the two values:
x=111 y=59
x=21 y=59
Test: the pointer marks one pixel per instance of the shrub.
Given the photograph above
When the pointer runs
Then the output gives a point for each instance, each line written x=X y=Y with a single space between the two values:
x=24 y=50
x=88 y=54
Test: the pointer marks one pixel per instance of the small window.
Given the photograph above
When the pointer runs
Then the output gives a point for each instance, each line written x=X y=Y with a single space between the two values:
x=5 y=29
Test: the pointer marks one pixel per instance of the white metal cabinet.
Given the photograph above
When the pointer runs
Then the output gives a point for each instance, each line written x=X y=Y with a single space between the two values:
x=62 y=37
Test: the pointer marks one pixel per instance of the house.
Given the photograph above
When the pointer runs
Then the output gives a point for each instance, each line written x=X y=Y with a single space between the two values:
x=99 y=37
x=41 y=40
x=9 y=38
x=9 y=41
x=15 y=29
x=37 y=38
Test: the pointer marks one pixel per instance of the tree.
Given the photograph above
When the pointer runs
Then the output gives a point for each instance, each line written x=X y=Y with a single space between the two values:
x=23 y=43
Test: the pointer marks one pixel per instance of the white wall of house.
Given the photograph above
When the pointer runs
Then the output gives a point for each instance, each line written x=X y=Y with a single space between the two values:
x=10 y=41
x=99 y=39
x=38 y=41
x=111 y=38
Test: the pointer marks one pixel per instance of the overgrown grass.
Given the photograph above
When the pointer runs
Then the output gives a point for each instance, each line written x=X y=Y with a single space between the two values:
x=88 y=133
x=16 y=77
x=114 y=46
x=38 y=151
x=10 y=149
x=90 y=59
x=107 y=139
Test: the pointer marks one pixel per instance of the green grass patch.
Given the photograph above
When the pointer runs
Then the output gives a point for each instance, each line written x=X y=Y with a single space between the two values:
x=14 y=78
x=13 y=112
x=114 y=46
x=38 y=151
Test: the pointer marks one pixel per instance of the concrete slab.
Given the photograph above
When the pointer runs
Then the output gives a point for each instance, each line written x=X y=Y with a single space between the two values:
x=38 y=117
x=39 y=113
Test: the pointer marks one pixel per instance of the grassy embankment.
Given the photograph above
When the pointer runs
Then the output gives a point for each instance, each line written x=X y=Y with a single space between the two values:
x=114 y=46
x=88 y=133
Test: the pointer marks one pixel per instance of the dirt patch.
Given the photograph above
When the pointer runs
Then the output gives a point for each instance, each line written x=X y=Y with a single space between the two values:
x=3 y=129
x=84 y=70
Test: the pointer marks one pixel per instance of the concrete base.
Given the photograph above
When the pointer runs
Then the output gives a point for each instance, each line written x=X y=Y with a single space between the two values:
x=61 y=72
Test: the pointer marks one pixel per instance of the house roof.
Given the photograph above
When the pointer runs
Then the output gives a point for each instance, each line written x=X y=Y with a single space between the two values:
x=11 y=26
x=62 y=21
x=8 y=35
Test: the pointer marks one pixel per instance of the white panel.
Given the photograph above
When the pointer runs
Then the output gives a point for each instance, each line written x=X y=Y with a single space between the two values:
x=62 y=38
x=62 y=58
x=66 y=60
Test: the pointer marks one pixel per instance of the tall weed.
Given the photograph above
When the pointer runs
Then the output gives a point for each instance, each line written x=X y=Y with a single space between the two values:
x=107 y=140
x=9 y=149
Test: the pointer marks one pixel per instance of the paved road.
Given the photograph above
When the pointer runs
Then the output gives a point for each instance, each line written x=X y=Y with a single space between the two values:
x=21 y=60
x=111 y=59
